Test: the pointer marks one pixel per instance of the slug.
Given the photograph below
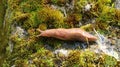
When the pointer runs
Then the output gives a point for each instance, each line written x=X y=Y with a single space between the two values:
x=68 y=34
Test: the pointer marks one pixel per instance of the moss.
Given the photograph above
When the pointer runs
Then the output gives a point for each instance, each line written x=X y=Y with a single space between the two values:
x=78 y=58
x=73 y=19
x=29 y=6
x=54 y=1
x=73 y=59
x=2 y=12
x=42 y=58
x=3 y=31
x=117 y=16
x=43 y=26
x=14 y=4
x=21 y=63
x=20 y=17
x=24 y=12
x=52 y=17
x=60 y=2
x=109 y=61
x=31 y=21
x=87 y=27
x=46 y=15
x=30 y=15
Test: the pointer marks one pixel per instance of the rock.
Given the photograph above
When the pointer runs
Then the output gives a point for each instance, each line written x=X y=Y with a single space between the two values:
x=117 y=4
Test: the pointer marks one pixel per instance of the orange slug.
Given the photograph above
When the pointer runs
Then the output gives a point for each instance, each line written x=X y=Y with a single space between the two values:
x=68 y=34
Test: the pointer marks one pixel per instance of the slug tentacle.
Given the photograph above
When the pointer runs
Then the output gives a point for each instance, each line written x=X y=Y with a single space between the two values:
x=39 y=30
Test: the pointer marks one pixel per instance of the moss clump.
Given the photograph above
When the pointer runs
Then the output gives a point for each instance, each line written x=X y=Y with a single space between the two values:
x=52 y=17
x=29 y=6
x=42 y=58
x=14 y=4
x=109 y=61
x=60 y=2
x=73 y=19
x=78 y=58
x=20 y=17
x=24 y=12
x=87 y=27
x=117 y=18
x=21 y=63
x=42 y=26
x=31 y=21
x=73 y=59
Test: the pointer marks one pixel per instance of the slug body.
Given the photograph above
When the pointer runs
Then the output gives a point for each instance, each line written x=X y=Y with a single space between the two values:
x=68 y=34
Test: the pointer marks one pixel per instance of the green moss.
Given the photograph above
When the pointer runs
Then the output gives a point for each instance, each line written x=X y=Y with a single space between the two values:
x=42 y=58
x=73 y=59
x=21 y=63
x=73 y=19
x=43 y=26
x=109 y=61
x=33 y=14
x=81 y=3
x=78 y=58
x=3 y=31
x=2 y=12
x=54 y=1
x=31 y=21
x=87 y=27
x=60 y=2
x=20 y=17
x=29 y=6
x=52 y=17
x=117 y=18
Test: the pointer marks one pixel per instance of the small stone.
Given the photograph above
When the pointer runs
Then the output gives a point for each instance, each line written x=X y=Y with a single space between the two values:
x=87 y=7
x=62 y=52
